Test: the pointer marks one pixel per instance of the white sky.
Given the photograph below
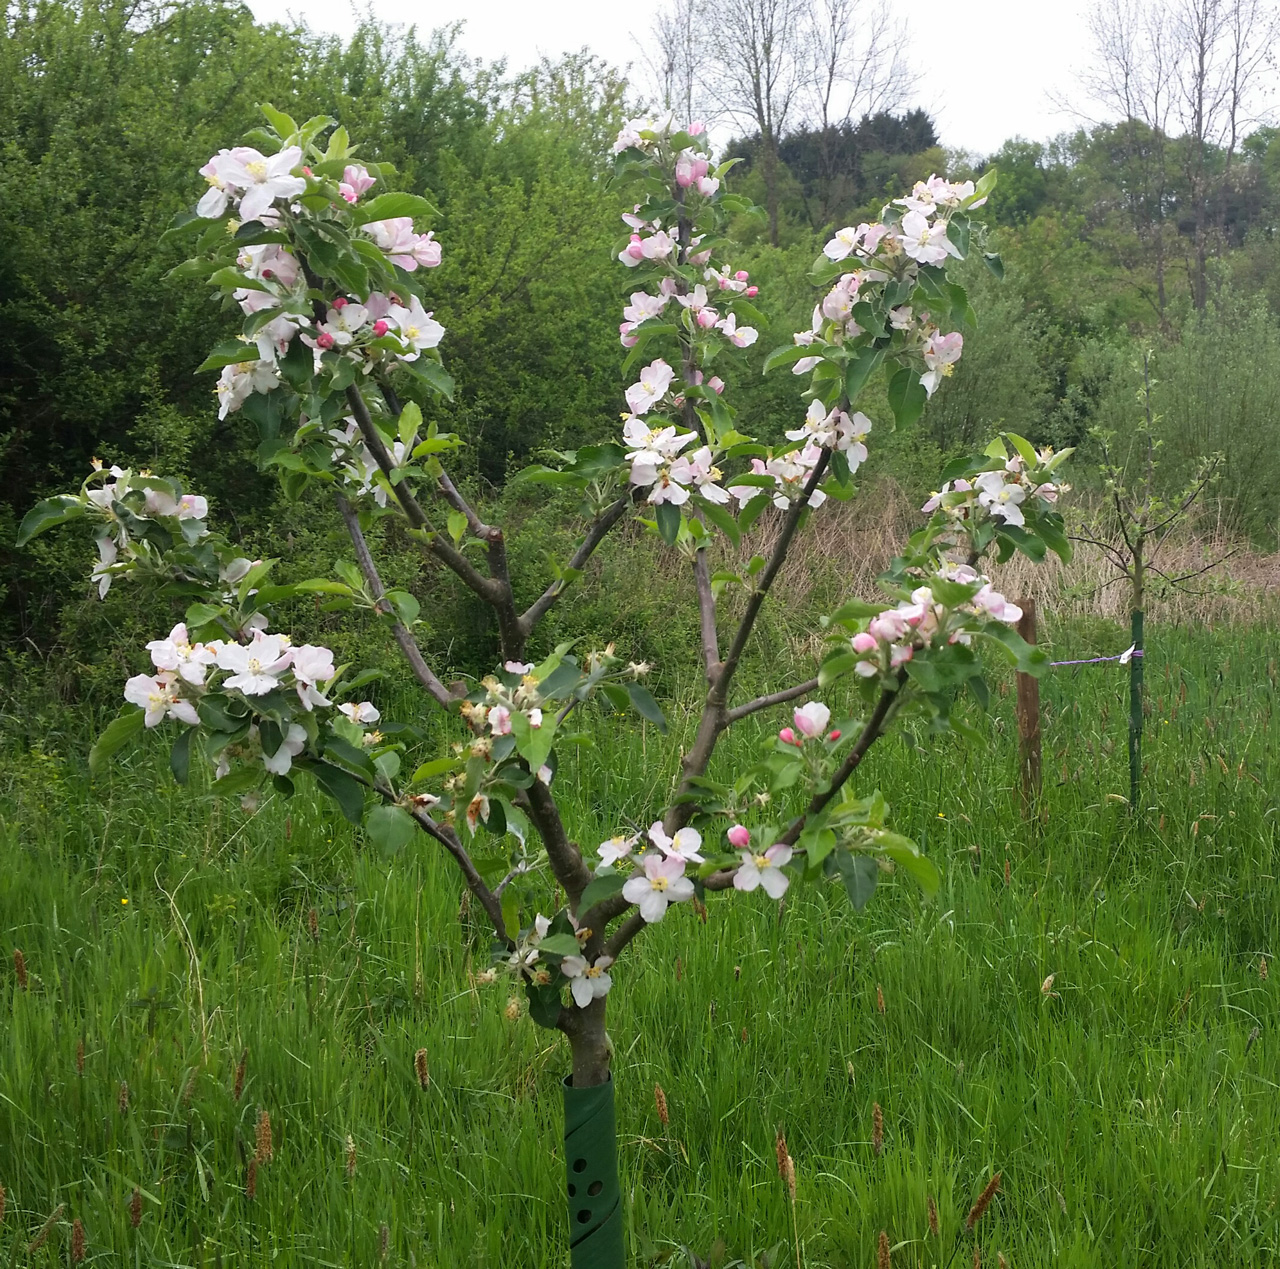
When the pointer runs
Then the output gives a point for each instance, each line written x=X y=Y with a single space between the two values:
x=987 y=71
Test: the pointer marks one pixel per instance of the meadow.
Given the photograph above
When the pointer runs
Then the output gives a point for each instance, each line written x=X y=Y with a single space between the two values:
x=1085 y=1009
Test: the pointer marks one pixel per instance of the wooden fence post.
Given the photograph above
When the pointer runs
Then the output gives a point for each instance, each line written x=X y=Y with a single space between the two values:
x=1028 y=719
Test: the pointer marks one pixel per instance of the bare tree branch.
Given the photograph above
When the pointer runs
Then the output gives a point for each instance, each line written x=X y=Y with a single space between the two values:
x=408 y=645
x=774 y=698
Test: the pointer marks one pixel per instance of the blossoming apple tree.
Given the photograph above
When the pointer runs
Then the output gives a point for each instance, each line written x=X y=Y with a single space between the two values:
x=326 y=270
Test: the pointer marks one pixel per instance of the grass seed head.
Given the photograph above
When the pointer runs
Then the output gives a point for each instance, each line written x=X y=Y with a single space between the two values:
x=122 y=1098
x=384 y=1241
x=877 y=1128
x=882 y=1253
x=313 y=925
x=77 y=1241
x=251 y=1181
x=660 y=1101
x=1262 y=969
x=420 y=1069
x=135 y=1208
x=786 y=1164
x=264 y=1150
x=237 y=1086
x=984 y=1201
x=1001 y=1261
x=933 y=1216
x=977 y=1258
x=43 y=1236
x=879 y=998
x=351 y=1157
x=20 y=968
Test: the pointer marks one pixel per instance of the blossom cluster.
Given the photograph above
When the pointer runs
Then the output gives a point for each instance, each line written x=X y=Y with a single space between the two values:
x=365 y=329
x=1003 y=492
x=129 y=505
x=893 y=637
x=660 y=880
x=588 y=980
x=186 y=670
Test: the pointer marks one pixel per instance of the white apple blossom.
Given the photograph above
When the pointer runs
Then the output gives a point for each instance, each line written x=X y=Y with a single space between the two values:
x=262 y=178
x=1001 y=497
x=179 y=655
x=362 y=713
x=240 y=381
x=102 y=570
x=344 y=322
x=616 y=848
x=662 y=883
x=293 y=743
x=926 y=241
x=416 y=327
x=655 y=380
x=941 y=352
x=587 y=982
x=811 y=720
x=312 y=665
x=764 y=870
x=684 y=845
x=255 y=667
x=699 y=470
x=740 y=337
x=159 y=698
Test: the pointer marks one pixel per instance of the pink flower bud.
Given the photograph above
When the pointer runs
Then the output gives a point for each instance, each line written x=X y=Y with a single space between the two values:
x=787 y=736
x=752 y=292
x=739 y=836
x=742 y=275
x=340 y=303
x=268 y=274
x=347 y=192
x=635 y=248
x=697 y=128
x=724 y=284
x=835 y=735
x=706 y=318
x=380 y=328
x=864 y=642
x=306 y=170
x=716 y=384
x=324 y=340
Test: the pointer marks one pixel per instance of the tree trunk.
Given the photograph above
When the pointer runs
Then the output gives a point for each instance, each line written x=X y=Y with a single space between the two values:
x=591 y=1144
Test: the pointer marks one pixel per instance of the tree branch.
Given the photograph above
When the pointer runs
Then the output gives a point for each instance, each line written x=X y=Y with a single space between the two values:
x=870 y=733
x=623 y=935
x=774 y=698
x=408 y=645
x=565 y=858
x=706 y=615
x=475 y=883
x=595 y=535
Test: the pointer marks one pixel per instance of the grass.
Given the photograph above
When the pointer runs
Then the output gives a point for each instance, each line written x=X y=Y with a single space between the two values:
x=1131 y=1104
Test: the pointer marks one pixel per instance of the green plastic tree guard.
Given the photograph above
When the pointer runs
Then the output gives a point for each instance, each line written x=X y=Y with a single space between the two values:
x=591 y=1177
x=1135 y=713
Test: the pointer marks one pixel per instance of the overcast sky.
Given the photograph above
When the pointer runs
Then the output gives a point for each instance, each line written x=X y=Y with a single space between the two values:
x=988 y=69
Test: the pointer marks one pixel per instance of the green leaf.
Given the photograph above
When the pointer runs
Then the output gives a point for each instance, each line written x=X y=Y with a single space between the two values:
x=906 y=855
x=958 y=232
x=835 y=667
x=859 y=874
x=180 y=755
x=644 y=705
x=855 y=610
x=993 y=262
x=787 y=355
x=390 y=828
x=723 y=521
x=600 y=888
x=668 y=516
x=544 y=1004
x=534 y=743
x=44 y=515
x=115 y=735
x=860 y=370
x=389 y=206
x=340 y=785
x=457 y=524
x=559 y=945
x=436 y=767
x=280 y=121
x=906 y=396
x=433 y=374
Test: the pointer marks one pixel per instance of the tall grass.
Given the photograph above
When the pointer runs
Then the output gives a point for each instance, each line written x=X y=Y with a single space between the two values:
x=1082 y=1009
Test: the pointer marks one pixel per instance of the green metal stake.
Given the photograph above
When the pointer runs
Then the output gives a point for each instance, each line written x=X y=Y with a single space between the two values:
x=1135 y=712
x=591 y=1177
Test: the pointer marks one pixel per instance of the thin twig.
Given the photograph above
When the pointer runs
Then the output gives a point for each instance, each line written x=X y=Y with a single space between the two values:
x=774 y=698
x=408 y=645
